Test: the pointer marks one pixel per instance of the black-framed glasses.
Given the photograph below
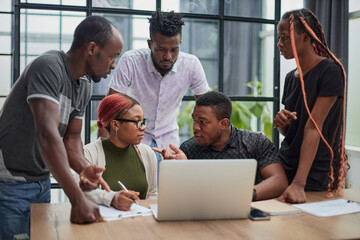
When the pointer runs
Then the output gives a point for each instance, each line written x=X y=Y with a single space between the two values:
x=139 y=123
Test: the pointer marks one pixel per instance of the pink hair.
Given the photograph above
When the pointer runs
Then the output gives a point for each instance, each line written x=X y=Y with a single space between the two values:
x=112 y=106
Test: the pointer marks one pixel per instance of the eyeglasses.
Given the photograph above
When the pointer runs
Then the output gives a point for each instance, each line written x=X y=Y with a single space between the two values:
x=139 y=123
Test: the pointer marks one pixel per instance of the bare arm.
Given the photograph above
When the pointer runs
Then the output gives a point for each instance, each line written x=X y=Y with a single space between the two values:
x=295 y=192
x=74 y=145
x=90 y=176
x=274 y=183
x=47 y=119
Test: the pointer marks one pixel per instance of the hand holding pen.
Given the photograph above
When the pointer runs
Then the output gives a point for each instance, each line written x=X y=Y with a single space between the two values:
x=126 y=190
x=124 y=199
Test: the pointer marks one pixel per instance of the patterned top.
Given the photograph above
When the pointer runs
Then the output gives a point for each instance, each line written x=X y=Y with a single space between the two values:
x=242 y=144
x=159 y=96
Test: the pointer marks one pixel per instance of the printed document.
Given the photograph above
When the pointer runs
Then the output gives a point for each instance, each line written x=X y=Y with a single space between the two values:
x=329 y=208
x=110 y=213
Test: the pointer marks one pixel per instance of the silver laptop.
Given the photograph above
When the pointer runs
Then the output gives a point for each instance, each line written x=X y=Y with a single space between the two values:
x=204 y=189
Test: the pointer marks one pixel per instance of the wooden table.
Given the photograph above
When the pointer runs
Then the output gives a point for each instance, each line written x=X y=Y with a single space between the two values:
x=51 y=221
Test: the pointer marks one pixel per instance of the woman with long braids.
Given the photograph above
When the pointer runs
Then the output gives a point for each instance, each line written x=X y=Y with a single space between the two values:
x=312 y=121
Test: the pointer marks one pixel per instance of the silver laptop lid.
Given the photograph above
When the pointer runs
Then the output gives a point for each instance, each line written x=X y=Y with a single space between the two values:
x=205 y=189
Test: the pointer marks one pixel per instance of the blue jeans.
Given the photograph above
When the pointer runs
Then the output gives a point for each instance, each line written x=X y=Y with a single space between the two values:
x=15 y=200
x=158 y=156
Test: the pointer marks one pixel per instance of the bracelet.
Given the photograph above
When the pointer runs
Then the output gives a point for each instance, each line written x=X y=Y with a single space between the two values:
x=254 y=195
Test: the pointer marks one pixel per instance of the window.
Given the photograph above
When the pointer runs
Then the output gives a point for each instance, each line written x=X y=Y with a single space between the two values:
x=5 y=49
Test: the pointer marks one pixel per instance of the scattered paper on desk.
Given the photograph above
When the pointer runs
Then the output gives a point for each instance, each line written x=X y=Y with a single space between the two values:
x=110 y=213
x=274 y=207
x=329 y=208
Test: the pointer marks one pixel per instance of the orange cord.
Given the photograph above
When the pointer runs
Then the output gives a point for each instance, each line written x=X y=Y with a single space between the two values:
x=343 y=160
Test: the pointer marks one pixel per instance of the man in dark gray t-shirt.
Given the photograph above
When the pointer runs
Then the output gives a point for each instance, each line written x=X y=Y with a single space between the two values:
x=215 y=138
x=40 y=126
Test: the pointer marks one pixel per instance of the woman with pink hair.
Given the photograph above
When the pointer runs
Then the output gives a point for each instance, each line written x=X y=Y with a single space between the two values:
x=126 y=159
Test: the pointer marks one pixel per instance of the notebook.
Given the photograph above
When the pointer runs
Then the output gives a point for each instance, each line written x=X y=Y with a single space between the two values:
x=274 y=207
x=204 y=189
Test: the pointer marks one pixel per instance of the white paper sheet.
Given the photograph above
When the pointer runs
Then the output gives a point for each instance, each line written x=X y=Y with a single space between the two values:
x=329 y=208
x=110 y=213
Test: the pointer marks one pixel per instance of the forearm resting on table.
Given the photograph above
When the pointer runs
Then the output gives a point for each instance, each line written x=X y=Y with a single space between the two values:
x=270 y=188
x=274 y=183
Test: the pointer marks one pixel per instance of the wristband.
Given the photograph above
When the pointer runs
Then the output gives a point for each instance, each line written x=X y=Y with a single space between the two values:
x=254 y=195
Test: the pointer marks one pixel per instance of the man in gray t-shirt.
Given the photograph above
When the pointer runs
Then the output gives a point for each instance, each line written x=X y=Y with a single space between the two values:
x=40 y=126
x=215 y=138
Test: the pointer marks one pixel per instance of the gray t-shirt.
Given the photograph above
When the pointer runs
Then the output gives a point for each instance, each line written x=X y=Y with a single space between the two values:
x=48 y=77
x=242 y=144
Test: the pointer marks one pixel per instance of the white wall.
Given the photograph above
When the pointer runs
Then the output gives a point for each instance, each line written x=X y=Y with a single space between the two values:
x=353 y=176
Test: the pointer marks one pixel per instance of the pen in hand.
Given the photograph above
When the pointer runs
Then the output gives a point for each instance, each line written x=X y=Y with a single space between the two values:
x=125 y=189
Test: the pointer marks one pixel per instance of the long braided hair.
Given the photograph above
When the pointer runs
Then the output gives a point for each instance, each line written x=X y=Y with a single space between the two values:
x=303 y=20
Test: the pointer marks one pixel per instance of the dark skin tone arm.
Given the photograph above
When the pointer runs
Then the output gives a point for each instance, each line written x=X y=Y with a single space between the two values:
x=52 y=148
x=273 y=184
x=74 y=146
x=295 y=192
x=90 y=175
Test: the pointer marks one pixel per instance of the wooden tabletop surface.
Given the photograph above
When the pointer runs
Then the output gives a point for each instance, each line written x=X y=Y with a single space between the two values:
x=51 y=221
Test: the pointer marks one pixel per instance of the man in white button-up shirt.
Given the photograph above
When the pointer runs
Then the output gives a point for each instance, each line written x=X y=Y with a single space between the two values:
x=159 y=76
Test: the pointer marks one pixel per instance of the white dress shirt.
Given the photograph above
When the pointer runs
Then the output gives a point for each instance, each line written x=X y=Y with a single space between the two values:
x=159 y=96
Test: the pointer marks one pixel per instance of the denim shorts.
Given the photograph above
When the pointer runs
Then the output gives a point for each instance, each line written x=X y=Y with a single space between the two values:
x=15 y=200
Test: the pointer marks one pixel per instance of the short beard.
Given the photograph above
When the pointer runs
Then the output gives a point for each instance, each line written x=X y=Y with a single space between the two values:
x=162 y=71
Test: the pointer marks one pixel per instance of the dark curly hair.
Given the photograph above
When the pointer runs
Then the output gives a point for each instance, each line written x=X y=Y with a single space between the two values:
x=219 y=102
x=166 y=23
x=92 y=29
